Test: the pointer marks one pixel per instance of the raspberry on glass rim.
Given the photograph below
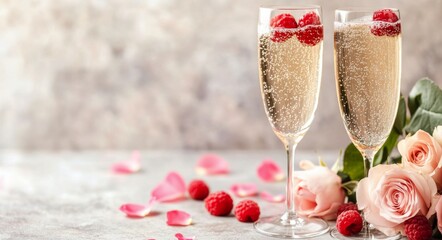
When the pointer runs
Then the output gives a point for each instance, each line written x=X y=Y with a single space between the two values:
x=286 y=21
x=311 y=32
x=385 y=23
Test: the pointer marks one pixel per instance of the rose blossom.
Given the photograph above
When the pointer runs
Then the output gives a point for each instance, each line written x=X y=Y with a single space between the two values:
x=437 y=134
x=439 y=214
x=391 y=194
x=421 y=152
x=318 y=193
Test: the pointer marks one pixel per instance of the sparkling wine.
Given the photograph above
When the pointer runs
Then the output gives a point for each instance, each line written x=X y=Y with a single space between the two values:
x=290 y=74
x=367 y=69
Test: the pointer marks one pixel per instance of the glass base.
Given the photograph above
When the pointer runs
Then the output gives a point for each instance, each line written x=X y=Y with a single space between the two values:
x=371 y=233
x=277 y=226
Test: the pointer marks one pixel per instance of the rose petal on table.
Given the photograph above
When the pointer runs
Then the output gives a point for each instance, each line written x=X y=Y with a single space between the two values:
x=244 y=189
x=137 y=210
x=180 y=236
x=272 y=198
x=178 y=218
x=269 y=171
x=171 y=188
x=211 y=164
x=131 y=165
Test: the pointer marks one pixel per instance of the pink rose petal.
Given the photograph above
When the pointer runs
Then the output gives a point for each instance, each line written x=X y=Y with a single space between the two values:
x=170 y=189
x=180 y=236
x=272 y=198
x=211 y=164
x=244 y=189
x=178 y=218
x=131 y=165
x=269 y=171
x=137 y=210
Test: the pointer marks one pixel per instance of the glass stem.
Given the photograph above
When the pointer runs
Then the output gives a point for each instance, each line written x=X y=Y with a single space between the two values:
x=368 y=163
x=290 y=188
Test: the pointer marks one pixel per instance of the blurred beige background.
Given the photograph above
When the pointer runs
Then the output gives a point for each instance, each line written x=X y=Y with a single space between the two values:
x=165 y=74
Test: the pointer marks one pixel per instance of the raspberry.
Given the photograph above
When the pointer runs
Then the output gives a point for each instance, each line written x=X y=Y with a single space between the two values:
x=385 y=23
x=347 y=206
x=198 y=190
x=247 y=211
x=349 y=222
x=418 y=228
x=311 y=32
x=284 y=20
x=219 y=203
x=310 y=18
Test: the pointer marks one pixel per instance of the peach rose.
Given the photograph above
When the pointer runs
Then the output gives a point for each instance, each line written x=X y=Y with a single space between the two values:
x=423 y=153
x=318 y=192
x=437 y=134
x=439 y=214
x=391 y=194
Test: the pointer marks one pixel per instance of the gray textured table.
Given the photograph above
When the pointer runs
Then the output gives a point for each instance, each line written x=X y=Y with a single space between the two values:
x=74 y=195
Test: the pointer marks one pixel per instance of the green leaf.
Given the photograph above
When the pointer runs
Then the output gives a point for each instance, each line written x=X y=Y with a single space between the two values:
x=401 y=116
x=352 y=197
x=353 y=163
x=381 y=156
x=344 y=177
x=350 y=187
x=384 y=152
x=397 y=159
x=336 y=166
x=425 y=105
x=322 y=163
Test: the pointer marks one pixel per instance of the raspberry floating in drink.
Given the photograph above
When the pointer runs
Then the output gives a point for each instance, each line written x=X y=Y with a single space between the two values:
x=385 y=23
x=311 y=32
x=285 y=21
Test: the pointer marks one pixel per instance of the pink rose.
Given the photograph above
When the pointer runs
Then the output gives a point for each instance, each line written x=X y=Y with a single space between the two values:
x=437 y=134
x=318 y=193
x=439 y=214
x=392 y=194
x=423 y=153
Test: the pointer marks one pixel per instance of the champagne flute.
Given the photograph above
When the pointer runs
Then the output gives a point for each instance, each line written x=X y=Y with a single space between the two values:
x=290 y=66
x=367 y=56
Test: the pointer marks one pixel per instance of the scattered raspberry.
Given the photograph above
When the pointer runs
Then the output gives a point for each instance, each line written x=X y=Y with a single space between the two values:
x=385 y=23
x=247 y=211
x=198 y=190
x=347 y=206
x=311 y=32
x=349 y=222
x=418 y=228
x=286 y=21
x=219 y=203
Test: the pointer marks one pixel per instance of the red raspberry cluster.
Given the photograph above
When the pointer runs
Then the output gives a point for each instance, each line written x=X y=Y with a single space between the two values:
x=221 y=203
x=349 y=222
x=310 y=30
